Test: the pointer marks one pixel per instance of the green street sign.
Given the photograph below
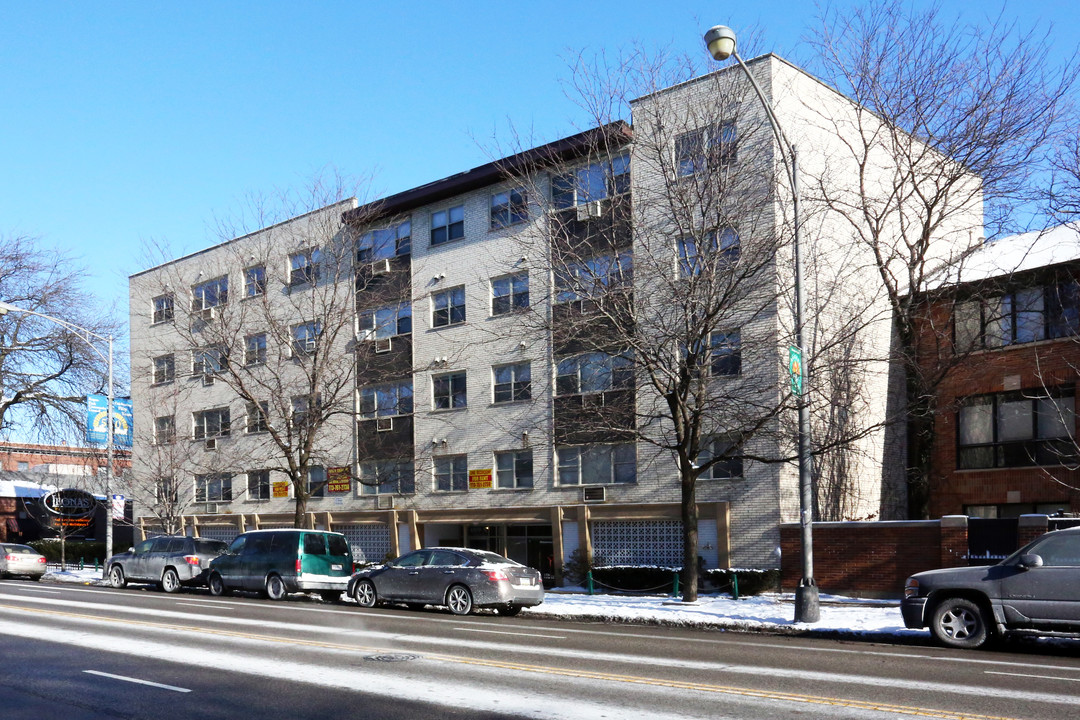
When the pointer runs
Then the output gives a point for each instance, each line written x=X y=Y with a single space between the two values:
x=795 y=369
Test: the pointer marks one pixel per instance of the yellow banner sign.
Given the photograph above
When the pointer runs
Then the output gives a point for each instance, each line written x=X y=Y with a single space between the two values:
x=339 y=480
x=480 y=479
x=281 y=488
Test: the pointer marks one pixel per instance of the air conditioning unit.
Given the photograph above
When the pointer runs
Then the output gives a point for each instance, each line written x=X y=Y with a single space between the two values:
x=384 y=502
x=215 y=508
x=594 y=494
x=589 y=210
x=380 y=267
x=211 y=443
x=592 y=305
x=208 y=379
x=384 y=424
x=309 y=346
x=208 y=313
x=593 y=400
x=382 y=345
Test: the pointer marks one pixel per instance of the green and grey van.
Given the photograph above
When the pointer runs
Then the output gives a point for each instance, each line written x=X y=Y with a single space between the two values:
x=278 y=562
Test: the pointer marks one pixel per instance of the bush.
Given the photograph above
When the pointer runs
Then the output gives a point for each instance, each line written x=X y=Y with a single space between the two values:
x=88 y=550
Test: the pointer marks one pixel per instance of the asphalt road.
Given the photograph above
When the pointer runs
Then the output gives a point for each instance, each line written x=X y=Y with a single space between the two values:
x=76 y=652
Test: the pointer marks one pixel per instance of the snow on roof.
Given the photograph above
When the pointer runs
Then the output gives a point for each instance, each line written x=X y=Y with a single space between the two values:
x=20 y=484
x=1017 y=253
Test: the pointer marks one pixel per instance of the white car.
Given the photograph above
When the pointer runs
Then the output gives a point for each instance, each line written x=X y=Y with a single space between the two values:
x=21 y=560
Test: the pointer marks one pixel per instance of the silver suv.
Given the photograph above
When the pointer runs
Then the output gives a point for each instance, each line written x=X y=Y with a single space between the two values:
x=1033 y=590
x=169 y=561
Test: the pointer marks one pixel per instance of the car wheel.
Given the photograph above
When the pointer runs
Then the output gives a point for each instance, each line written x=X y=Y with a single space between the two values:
x=459 y=600
x=116 y=577
x=217 y=585
x=365 y=594
x=170 y=581
x=510 y=610
x=959 y=623
x=275 y=587
x=330 y=595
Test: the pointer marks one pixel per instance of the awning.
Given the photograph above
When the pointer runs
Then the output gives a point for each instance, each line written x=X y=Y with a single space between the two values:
x=12 y=524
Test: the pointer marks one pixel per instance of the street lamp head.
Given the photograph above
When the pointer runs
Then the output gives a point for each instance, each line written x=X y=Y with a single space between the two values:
x=721 y=42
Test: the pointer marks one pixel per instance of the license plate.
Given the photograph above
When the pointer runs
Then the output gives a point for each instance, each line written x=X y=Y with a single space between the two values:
x=525 y=581
x=335 y=567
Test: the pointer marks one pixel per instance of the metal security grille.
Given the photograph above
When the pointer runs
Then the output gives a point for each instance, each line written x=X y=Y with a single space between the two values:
x=369 y=543
x=227 y=533
x=637 y=542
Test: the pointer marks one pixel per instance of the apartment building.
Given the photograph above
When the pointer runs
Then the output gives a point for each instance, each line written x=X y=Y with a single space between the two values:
x=499 y=317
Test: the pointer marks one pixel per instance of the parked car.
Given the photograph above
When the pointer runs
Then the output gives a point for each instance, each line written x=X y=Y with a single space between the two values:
x=1032 y=590
x=278 y=562
x=171 y=561
x=459 y=578
x=21 y=560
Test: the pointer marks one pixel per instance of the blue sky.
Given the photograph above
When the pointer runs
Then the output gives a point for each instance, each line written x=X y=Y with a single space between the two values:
x=122 y=122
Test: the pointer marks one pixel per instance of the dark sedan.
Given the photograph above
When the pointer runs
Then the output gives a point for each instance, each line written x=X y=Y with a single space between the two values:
x=459 y=578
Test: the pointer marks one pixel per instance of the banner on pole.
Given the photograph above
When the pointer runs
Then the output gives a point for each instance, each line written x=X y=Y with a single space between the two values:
x=97 y=421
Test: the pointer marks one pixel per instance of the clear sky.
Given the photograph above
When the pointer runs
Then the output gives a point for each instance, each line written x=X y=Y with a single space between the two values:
x=125 y=121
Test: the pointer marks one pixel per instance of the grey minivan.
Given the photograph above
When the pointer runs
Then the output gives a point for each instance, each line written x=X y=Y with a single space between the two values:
x=171 y=561
x=277 y=562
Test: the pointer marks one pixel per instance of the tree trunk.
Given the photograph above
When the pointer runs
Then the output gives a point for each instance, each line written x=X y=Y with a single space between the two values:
x=690 y=538
x=300 y=514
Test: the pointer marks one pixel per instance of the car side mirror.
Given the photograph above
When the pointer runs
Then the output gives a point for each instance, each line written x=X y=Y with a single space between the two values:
x=1030 y=560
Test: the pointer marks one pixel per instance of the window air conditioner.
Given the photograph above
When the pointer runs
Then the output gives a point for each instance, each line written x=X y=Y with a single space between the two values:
x=588 y=210
x=214 y=508
x=594 y=494
x=382 y=345
x=211 y=443
x=384 y=424
x=384 y=502
x=208 y=313
x=380 y=267
x=309 y=346
x=593 y=400
x=208 y=379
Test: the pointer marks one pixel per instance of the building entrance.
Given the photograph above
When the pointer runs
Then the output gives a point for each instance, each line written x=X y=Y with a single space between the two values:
x=527 y=544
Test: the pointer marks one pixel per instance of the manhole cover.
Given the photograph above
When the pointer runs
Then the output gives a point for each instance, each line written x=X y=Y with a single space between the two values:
x=391 y=657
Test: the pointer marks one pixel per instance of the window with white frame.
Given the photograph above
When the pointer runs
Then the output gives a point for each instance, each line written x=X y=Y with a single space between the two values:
x=512 y=382
x=257 y=417
x=305 y=410
x=594 y=277
x=509 y=207
x=594 y=372
x=304 y=266
x=255 y=349
x=448 y=307
x=209 y=360
x=163 y=309
x=451 y=473
x=715 y=251
x=387 y=477
x=729 y=466
x=708 y=148
x=448 y=225
x=164 y=430
x=213 y=487
x=592 y=182
x=210 y=294
x=597 y=464
x=386 y=322
x=254 y=281
x=164 y=369
x=449 y=391
x=315 y=477
x=725 y=349
x=386 y=400
x=210 y=423
x=514 y=469
x=509 y=293
x=385 y=243
x=306 y=337
x=258 y=484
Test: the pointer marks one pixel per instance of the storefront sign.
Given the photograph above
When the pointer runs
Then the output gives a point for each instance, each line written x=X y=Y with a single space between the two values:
x=339 y=480
x=480 y=479
x=69 y=503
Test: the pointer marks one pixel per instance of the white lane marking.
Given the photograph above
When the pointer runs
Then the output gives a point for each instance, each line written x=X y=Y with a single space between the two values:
x=137 y=681
x=41 y=590
x=507 y=632
x=1028 y=675
x=205 y=605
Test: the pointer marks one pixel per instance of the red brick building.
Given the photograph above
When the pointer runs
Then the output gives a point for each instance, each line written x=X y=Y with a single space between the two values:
x=1006 y=431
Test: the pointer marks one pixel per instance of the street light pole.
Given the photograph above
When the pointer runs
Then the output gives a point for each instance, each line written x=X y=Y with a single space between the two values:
x=5 y=308
x=720 y=41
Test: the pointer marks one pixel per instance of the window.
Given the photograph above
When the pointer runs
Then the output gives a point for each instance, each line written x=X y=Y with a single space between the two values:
x=385 y=243
x=730 y=464
x=448 y=307
x=255 y=281
x=447 y=225
x=1017 y=429
x=726 y=353
x=713 y=252
x=512 y=382
x=304 y=267
x=211 y=423
x=706 y=148
x=258 y=485
x=305 y=337
x=209 y=361
x=164 y=369
x=593 y=372
x=1026 y=315
x=449 y=391
x=255 y=349
x=316 y=481
x=597 y=464
x=163 y=309
x=514 y=469
x=451 y=473
x=509 y=293
x=164 y=430
x=509 y=208
x=213 y=487
x=594 y=277
x=387 y=477
x=386 y=400
x=592 y=182
x=210 y=294
x=305 y=411
x=385 y=322
x=256 y=417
